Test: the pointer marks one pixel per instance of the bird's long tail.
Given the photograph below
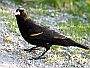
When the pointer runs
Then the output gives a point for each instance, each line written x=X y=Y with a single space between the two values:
x=68 y=42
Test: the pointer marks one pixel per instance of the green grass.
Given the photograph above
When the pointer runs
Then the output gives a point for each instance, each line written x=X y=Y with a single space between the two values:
x=9 y=19
x=77 y=30
x=16 y=1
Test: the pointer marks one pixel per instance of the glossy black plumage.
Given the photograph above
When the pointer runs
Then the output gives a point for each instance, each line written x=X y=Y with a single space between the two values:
x=41 y=36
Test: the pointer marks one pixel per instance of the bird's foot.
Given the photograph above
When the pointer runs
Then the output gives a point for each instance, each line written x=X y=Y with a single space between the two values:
x=33 y=58
x=29 y=50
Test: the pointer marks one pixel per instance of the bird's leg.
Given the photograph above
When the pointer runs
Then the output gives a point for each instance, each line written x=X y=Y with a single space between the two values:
x=29 y=50
x=40 y=57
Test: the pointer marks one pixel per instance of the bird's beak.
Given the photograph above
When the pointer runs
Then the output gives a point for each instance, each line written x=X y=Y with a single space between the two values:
x=17 y=13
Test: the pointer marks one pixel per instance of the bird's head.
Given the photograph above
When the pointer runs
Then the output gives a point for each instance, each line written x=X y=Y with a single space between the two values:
x=20 y=13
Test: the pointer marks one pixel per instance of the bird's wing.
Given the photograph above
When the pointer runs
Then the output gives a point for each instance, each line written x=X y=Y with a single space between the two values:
x=54 y=34
x=34 y=28
x=37 y=30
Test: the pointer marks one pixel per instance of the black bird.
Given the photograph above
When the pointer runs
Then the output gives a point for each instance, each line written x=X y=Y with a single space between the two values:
x=39 y=35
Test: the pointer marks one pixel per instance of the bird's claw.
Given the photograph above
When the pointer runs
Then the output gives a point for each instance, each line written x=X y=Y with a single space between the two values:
x=33 y=58
x=29 y=50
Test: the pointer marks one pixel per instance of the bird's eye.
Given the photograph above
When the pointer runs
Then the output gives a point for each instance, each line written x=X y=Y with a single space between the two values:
x=17 y=10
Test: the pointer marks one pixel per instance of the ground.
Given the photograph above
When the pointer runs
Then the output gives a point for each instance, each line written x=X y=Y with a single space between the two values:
x=12 y=45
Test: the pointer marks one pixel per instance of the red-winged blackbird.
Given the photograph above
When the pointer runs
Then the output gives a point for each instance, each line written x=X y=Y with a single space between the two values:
x=41 y=36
